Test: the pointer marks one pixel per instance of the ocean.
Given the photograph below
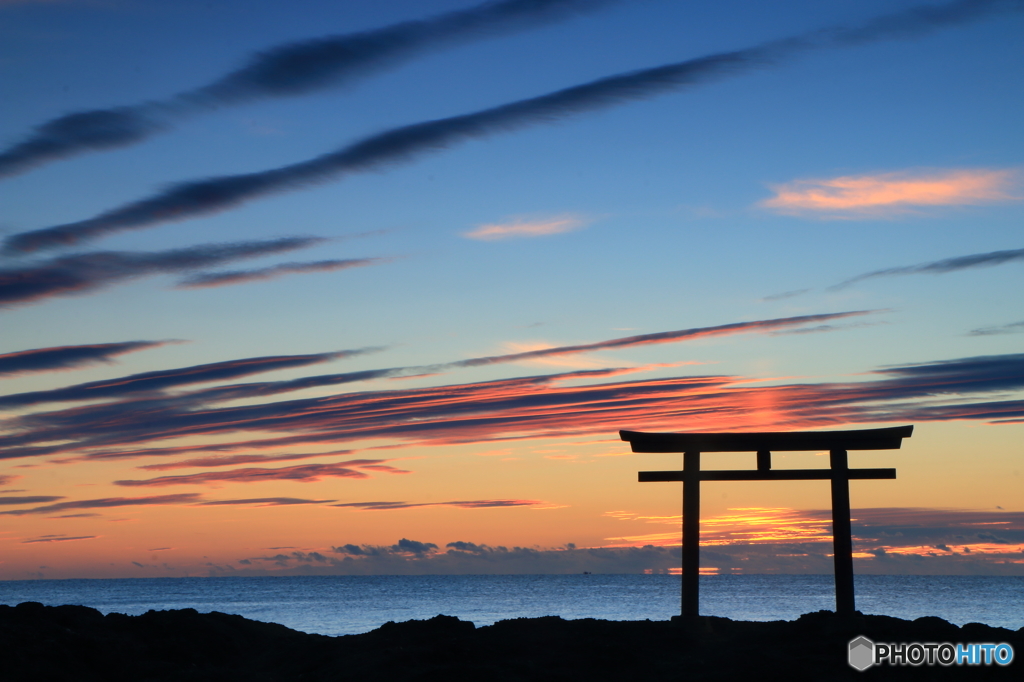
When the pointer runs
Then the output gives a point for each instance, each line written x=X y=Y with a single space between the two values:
x=340 y=605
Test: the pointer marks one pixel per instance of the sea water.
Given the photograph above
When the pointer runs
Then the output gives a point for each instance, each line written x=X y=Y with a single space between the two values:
x=339 y=605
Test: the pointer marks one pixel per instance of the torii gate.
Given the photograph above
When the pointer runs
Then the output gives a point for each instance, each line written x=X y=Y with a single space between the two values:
x=836 y=442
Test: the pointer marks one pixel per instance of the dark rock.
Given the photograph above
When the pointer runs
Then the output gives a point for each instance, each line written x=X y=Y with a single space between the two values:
x=75 y=643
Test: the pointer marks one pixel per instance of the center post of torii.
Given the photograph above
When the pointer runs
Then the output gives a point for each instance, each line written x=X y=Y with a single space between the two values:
x=838 y=443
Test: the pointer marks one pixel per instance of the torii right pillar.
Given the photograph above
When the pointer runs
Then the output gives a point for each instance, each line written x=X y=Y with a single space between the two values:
x=839 y=473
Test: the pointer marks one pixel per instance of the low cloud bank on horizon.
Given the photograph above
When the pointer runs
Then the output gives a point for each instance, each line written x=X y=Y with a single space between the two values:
x=921 y=541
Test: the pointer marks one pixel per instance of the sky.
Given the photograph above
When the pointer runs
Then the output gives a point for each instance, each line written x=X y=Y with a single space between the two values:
x=370 y=288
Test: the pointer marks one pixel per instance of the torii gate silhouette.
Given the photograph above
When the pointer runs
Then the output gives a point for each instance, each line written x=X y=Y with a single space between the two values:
x=839 y=473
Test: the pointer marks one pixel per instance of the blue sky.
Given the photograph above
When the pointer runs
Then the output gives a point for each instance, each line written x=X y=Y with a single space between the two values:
x=884 y=141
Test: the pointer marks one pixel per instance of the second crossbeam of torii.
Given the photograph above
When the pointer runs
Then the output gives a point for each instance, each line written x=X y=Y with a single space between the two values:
x=839 y=473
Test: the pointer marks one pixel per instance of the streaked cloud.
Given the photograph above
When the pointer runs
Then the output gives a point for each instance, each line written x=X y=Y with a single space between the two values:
x=234 y=460
x=941 y=267
x=262 y=502
x=161 y=380
x=784 y=295
x=304 y=473
x=87 y=272
x=9 y=500
x=555 y=405
x=890 y=194
x=663 y=337
x=106 y=503
x=1011 y=328
x=190 y=199
x=58 y=538
x=525 y=228
x=461 y=504
x=69 y=357
x=150 y=382
x=219 y=279
x=283 y=70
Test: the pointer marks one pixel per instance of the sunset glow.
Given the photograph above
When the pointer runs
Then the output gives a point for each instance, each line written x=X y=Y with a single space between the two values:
x=372 y=288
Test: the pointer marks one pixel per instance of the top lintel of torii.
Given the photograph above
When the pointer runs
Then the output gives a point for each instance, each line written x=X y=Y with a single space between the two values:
x=780 y=441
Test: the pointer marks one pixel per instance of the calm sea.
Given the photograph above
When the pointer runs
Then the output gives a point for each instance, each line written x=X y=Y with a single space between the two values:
x=338 y=605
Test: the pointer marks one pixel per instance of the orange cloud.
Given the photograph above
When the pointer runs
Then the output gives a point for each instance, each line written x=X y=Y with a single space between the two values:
x=887 y=194
x=525 y=228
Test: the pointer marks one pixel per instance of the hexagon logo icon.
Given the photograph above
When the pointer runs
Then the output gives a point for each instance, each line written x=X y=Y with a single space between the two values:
x=862 y=653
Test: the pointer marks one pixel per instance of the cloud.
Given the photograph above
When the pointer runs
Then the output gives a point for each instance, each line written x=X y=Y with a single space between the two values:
x=68 y=357
x=961 y=375
x=58 y=538
x=106 y=503
x=784 y=295
x=745 y=540
x=305 y=473
x=233 y=460
x=1011 y=328
x=86 y=272
x=890 y=194
x=663 y=337
x=28 y=499
x=886 y=540
x=7 y=479
x=187 y=200
x=282 y=71
x=461 y=504
x=152 y=382
x=263 y=502
x=525 y=228
x=219 y=279
x=521 y=408
x=941 y=267
x=467 y=558
x=413 y=547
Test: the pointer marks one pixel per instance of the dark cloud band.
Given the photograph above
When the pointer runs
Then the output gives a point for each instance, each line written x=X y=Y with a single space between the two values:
x=68 y=357
x=942 y=267
x=304 y=473
x=218 y=279
x=282 y=71
x=400 y=145
x=107 y=503
x=150 y=382
x=85 y=272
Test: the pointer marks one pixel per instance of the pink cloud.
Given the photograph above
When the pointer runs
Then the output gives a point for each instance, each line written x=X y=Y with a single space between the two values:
x=887 y=194
x=525 y=228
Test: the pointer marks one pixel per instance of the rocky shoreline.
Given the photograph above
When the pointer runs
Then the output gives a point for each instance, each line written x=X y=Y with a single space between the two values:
x=57 y=643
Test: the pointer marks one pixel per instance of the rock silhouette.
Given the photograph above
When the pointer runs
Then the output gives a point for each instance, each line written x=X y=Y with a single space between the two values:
x=57 y=643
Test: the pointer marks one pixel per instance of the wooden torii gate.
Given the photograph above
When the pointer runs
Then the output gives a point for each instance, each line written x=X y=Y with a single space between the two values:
x=839 y=473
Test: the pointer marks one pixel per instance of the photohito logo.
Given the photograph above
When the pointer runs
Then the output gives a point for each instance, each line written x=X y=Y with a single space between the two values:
x=863 y=653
